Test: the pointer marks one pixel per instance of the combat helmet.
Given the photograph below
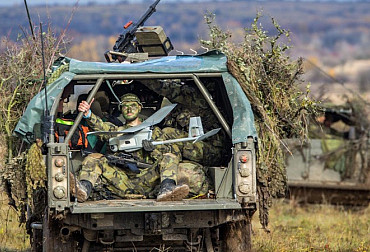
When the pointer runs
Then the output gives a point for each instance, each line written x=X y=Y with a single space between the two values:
x=130 y=97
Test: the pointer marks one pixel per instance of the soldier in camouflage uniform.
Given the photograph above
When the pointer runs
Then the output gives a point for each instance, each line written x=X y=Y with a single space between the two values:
x=97 y=171
x=190 y=171
x=210 y=152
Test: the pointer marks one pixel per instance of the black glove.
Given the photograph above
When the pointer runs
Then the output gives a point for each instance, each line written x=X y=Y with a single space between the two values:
x=148 y=145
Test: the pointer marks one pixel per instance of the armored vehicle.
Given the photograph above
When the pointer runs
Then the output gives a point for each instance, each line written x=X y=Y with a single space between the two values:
x=333 y=166
x=216 y=221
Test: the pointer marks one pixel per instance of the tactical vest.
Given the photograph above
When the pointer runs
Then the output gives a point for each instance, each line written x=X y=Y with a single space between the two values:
x=79 y=138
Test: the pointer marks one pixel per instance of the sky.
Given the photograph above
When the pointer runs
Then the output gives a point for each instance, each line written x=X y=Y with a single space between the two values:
x=83 y=2
x=72 y=2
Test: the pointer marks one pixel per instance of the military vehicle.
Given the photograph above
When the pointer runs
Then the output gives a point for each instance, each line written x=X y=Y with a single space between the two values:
x=217 y=221
x=333 y=166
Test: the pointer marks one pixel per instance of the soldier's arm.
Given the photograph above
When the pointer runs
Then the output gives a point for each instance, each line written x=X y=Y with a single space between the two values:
x=93 y=121
x=97 y=124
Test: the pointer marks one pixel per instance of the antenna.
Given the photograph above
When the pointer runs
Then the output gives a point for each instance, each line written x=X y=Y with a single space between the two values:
x=29 y=20
x=43 y=66
x=48 y=125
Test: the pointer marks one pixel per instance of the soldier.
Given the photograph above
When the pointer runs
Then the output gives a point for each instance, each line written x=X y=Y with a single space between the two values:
x=96 y=170
x=210 y=152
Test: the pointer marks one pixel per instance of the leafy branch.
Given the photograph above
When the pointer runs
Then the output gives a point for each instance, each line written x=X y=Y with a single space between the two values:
x=271 y=81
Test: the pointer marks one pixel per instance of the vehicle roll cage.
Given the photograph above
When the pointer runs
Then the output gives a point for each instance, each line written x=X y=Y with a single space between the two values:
x=101 y=77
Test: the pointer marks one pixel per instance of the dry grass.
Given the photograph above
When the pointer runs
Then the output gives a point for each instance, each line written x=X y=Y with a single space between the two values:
x=13 y=236
x=313 y=228
x=293 y=228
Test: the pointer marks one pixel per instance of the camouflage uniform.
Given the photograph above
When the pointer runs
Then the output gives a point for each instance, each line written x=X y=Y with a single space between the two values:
x=164 y=158
x=209 y=152
x=194 y=175
x=97 y=170
x=191 y=172
x=188 y=97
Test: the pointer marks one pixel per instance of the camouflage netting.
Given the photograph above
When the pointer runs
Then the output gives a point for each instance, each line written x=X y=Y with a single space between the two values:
x=21 y=77
x=270 y=80
x=35 y=169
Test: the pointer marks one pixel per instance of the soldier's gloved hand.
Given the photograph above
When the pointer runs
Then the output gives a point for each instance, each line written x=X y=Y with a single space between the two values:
x=148 y=145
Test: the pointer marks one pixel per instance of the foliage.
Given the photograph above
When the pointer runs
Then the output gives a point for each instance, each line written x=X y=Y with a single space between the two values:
x=35 y=168
x=270 y=81
x=21 y=72
x=21 y=76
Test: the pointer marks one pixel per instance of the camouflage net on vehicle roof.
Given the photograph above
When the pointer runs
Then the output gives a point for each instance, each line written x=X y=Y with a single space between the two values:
x=270 y=80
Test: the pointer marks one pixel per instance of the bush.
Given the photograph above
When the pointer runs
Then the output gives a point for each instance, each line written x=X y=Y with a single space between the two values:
x=21 y=78
x=270 y=80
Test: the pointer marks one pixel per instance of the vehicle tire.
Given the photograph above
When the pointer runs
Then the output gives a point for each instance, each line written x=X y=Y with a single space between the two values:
x=236 y=236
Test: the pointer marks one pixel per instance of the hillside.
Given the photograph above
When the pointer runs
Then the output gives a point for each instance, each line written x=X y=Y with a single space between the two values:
x=325 y=27
x=327 y=33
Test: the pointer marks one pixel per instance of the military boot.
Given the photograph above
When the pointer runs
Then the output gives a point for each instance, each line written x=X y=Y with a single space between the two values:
x=169 y=191
x=79 y=189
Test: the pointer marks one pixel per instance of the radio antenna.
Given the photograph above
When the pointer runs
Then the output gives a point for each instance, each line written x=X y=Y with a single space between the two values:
x=48 y=120
x=29 y=19
x=43 y=66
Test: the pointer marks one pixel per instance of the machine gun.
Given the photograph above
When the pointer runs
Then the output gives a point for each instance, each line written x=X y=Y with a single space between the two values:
x=124 y=160
x=127 y=42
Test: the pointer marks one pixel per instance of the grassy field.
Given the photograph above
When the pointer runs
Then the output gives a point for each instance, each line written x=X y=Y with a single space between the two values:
x=314 y=228
x=13 y=237
x=292 y=228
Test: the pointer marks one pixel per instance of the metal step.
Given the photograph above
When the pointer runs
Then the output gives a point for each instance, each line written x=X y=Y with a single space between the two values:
x=150 y=205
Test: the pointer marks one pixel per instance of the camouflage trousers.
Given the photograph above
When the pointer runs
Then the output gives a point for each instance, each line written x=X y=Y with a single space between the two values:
x=189 y=170
x=121 y=182
x=194 y=175
x=167 y=164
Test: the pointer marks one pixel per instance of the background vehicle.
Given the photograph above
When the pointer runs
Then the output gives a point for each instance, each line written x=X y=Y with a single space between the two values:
x=217 y=222
x=333 y=165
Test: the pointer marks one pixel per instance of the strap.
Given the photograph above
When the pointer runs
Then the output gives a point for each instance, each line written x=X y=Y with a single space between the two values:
x=114 y=94
x=64 y=122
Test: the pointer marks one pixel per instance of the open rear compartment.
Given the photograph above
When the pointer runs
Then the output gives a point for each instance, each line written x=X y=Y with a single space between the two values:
x=106 y=104
x=143 y=223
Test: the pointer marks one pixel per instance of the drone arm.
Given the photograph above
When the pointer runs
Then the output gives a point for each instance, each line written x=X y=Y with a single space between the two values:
x=194 y=139
x=170 y=141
